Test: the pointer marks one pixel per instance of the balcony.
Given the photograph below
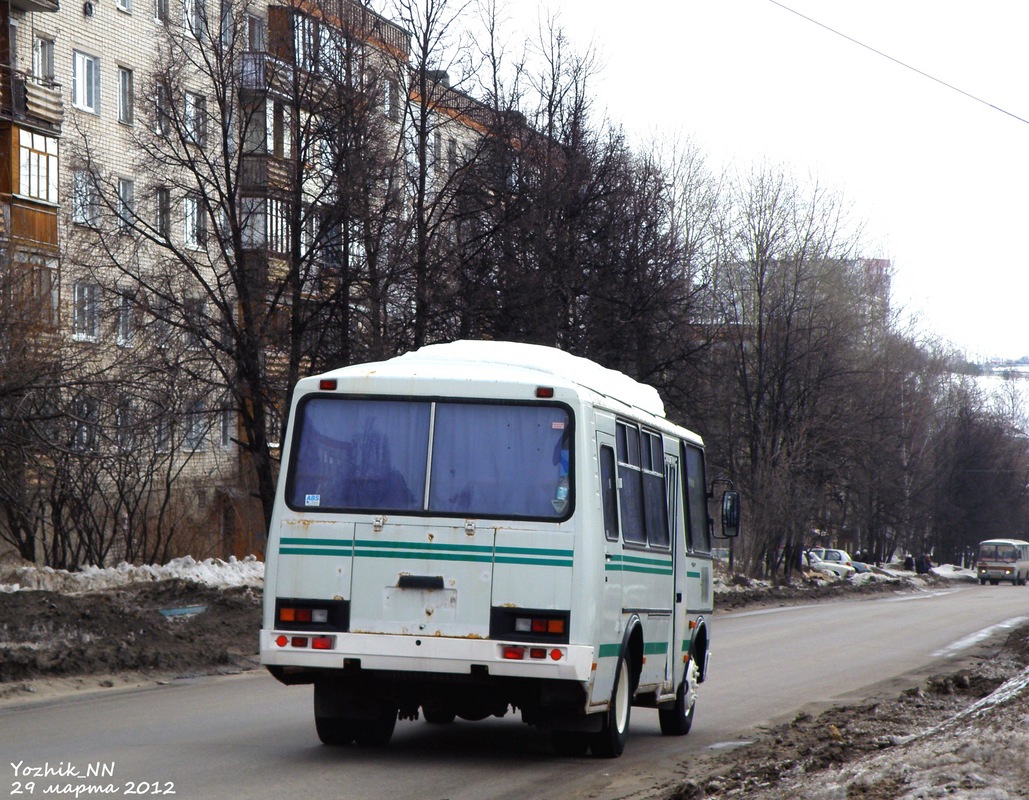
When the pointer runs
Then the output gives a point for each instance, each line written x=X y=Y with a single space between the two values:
x=263 y=175
x=263 y=74
x=30 y=101
x=36 y=5
x=28 y=224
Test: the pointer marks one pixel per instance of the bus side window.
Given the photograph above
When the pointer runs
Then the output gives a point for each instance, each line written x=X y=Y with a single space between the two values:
x=630 y=475
x=609 y=491
x=654 y=502
x=695 y=485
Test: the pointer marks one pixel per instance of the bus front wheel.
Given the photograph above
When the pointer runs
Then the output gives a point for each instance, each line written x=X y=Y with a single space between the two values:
x=678 y=719
x=609 y=741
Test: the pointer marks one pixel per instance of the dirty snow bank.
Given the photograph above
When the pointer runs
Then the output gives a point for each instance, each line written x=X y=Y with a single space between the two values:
x=981 y=753
x=212 y=572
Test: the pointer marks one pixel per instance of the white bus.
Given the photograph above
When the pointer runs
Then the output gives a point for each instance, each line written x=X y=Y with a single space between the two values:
x=479 y=526
x=1003 y=560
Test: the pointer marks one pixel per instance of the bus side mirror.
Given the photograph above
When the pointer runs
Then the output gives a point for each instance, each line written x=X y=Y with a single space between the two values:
x=730 y=514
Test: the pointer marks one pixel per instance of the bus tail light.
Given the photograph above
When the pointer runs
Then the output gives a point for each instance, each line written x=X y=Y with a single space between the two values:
x=539 y=625
x=513 y=652
x=301 y=642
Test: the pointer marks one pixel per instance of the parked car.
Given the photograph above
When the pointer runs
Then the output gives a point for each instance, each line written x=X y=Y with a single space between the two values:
x=830 y=554
x=837 y=568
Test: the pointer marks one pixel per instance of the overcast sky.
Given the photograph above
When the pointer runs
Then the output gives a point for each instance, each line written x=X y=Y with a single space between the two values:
x=941 y=178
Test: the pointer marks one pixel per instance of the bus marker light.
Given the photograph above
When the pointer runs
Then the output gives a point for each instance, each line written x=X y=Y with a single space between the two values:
x=544 y=391
x=513 y=653
x=327 y=384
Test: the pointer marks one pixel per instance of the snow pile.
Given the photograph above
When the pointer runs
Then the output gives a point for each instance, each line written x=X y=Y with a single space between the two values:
x=211 y=572
x=981 y=753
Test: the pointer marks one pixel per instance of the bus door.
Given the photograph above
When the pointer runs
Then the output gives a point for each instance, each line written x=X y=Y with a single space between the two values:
x=646 y=557
x=679 y=642
x=610 y=612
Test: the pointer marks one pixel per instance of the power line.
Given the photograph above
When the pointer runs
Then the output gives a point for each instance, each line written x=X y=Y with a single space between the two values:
x=899 y=62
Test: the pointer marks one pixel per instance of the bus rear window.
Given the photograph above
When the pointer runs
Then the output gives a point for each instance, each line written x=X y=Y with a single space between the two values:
x=486 y=459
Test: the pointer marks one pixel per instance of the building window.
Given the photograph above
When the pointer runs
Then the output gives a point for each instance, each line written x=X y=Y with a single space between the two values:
x=85 y=315
x=44 y=288
x=255 y=34
x=126 y=203
x=123 y=419
x=163 y=212
x=124 y=5
x=162 y=110
x=161 y=324
x=228 y=422
x=125 y=95
x=126 y=334
x=161 y=11
x=85 y=204
x=194 y=314
x=86 y=82
x=195 y=118
x=196 y=427
x=195 y=17
x=43 y=60
x=280 y=141
x=38 y=166
x=305 y=38
x=86 y=418
x=278 y=226
x=194 y=232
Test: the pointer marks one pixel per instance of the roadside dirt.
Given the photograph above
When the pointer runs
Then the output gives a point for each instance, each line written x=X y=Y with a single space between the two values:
x=154 y=631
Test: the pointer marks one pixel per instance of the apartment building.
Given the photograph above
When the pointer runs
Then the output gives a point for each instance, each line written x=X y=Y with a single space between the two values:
x=171 y=200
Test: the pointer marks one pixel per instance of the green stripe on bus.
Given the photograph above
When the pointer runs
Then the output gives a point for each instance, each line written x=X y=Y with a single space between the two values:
x=466 y=548
x=310 y=551
x=540 y=562
x=365 y=548
x=535 y=551
x=642 y=560
x=642 y=570
x=649 y=649
x=307 y=542
x=436 y=556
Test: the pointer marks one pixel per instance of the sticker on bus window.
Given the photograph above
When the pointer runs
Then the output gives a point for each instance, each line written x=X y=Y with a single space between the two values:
x=312 y=500
x=557 y=426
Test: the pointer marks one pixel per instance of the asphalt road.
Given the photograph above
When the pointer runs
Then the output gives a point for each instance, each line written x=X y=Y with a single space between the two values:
x=249 y=737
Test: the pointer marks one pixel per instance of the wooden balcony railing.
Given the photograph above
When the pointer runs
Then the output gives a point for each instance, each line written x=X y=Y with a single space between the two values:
x=29 y=100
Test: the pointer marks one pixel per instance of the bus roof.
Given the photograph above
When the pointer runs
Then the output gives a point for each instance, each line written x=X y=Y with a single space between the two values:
x=452 y=360
x=1003 y=541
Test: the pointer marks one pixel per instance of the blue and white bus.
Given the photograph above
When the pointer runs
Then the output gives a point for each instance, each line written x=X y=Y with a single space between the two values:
x=477 y=527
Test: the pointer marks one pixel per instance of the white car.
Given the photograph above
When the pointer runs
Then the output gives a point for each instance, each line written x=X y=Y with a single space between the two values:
x=837 y=568
x=832 y=555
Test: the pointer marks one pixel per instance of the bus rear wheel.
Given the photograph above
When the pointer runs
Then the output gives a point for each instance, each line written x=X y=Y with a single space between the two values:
x=609 y=741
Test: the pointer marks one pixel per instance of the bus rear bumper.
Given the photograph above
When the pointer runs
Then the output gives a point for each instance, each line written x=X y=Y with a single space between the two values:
x=288 y=649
